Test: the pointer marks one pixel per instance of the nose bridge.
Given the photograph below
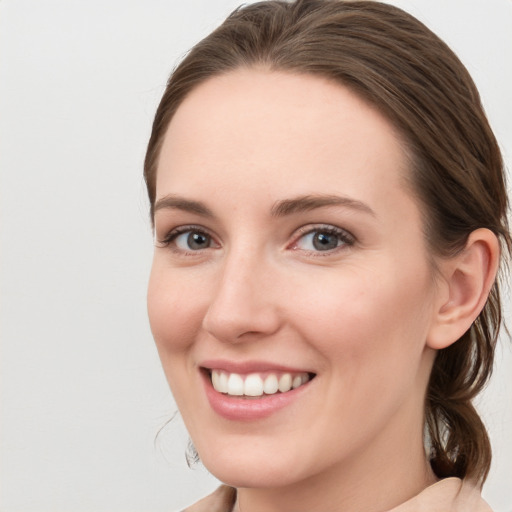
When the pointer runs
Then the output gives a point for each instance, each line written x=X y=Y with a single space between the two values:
x=243 y=302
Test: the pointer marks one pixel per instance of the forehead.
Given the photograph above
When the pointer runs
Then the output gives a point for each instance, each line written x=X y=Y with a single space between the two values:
x=252 y=127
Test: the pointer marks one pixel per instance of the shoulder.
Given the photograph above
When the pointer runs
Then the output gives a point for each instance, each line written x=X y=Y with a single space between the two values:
x=474 y=498
x=448 y=495
x=221 y=500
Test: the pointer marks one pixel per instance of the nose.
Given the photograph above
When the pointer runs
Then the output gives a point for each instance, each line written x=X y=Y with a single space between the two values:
x=244 y=304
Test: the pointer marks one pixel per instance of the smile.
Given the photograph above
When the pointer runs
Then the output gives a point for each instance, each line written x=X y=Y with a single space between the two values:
x=252 y=390
x=255 y=385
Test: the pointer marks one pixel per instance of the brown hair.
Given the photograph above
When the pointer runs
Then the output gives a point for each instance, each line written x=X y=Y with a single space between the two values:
x=397 y=64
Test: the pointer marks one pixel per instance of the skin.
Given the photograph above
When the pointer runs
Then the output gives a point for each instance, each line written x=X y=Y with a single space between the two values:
x=359 y=316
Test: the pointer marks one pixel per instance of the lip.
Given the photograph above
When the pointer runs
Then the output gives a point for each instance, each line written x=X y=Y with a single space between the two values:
x=246 y=367
x=248 y=409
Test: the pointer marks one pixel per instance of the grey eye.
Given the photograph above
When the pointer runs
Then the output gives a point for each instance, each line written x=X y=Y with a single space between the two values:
x=193 y=241
x=321 y=240
x=325 y=241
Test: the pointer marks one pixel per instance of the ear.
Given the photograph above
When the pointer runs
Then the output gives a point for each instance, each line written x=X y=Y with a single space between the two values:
x=464 y=286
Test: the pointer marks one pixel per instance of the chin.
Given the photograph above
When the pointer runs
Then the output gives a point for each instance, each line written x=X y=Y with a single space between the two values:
x=254 y=466
x=249 y=475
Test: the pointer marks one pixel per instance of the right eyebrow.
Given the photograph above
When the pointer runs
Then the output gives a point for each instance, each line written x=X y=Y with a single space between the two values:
x=312 y=202
x=174 y=202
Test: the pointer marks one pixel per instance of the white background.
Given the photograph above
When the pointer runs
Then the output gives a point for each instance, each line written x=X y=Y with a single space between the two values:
x=82 y=391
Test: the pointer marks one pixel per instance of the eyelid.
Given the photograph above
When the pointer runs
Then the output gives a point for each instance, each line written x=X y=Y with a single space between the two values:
x=345 y=236
x=172 y=234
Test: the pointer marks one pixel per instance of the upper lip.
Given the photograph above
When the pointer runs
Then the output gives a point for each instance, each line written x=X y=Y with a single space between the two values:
x=245 y=367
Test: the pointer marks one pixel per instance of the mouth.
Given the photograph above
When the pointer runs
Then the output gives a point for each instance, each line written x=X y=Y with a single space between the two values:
x=258 y=384
x=252 y=390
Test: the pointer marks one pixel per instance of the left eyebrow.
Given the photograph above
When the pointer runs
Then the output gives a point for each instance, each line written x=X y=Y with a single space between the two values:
x=173 y=202
x=311 y=202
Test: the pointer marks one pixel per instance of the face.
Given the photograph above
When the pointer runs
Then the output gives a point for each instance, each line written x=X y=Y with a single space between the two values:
x=291 y=270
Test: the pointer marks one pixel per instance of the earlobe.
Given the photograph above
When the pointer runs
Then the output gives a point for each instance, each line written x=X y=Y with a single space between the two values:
x=467 y=279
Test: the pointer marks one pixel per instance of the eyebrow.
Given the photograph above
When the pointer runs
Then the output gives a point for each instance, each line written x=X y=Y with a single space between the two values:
x=279 y=209
x=311 y=202
x=173 y=202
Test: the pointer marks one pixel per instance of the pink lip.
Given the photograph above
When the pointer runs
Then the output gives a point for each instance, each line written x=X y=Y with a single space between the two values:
x=245 y=367
x=248 y=409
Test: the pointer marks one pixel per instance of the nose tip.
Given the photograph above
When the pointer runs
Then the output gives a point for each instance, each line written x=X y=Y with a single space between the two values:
x=243 y=307
x=232 y=328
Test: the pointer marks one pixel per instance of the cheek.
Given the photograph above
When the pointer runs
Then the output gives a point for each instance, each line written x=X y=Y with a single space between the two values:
x=371 y=336
x=175 y=316
x=368 y=322
x=175 y=311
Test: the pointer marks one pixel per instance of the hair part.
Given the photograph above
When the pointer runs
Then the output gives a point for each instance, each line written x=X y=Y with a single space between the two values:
x=398 y=65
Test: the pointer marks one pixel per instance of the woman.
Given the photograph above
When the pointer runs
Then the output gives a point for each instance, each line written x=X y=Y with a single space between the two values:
x=330 y=210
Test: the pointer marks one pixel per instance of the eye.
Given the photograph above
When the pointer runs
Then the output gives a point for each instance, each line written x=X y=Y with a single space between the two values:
x=187 y=238
x=323 y=239
x=192 y=241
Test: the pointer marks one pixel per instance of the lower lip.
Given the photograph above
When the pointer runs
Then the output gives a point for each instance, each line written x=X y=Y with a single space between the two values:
x=248 y=409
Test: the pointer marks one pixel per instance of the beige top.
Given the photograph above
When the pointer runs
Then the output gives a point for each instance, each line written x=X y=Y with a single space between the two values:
x=448 y=495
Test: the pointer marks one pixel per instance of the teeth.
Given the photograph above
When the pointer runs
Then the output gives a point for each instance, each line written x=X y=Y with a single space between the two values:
x=223 y=382
x=254 y=385
x=271 y=385
x=285 y=383
x=235 y=385
x=215 y=379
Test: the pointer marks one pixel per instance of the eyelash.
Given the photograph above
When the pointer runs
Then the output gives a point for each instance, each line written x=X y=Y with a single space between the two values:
x=345 y=238
x=175 y=233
